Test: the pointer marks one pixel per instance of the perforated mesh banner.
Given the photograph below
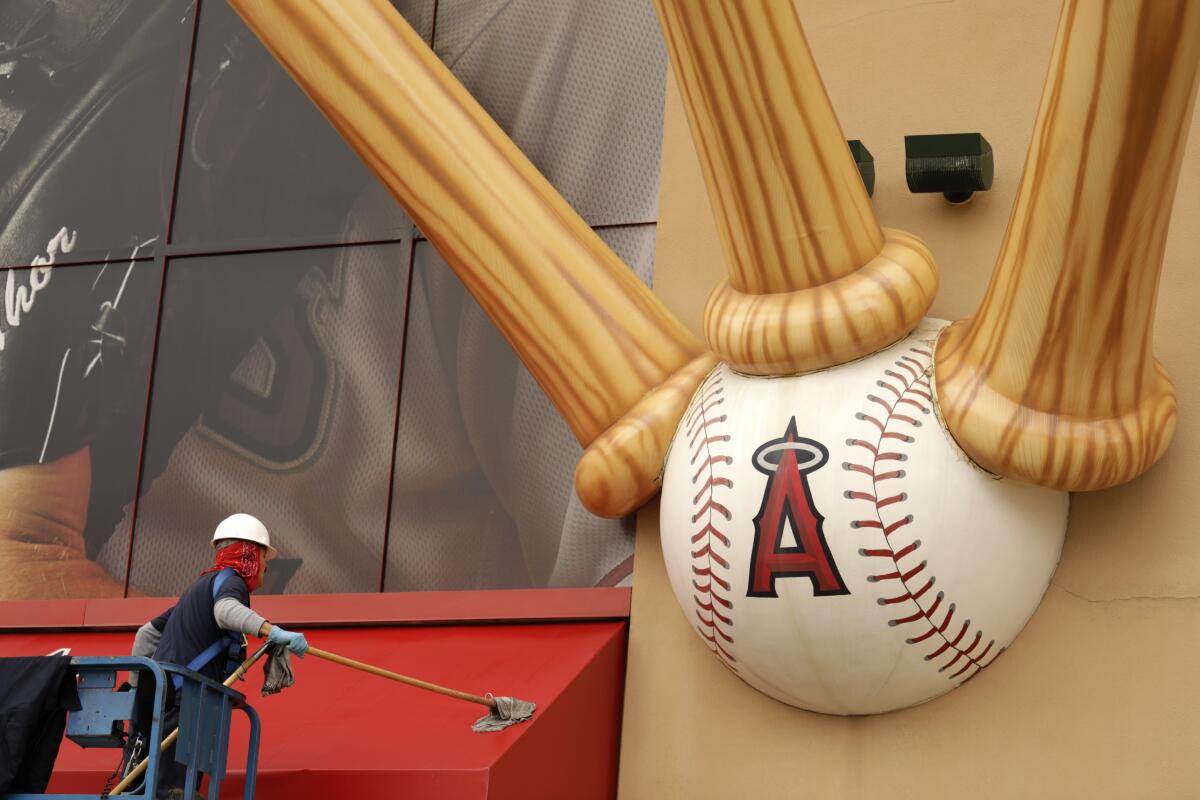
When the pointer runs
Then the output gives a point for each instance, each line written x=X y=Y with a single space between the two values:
x=211 y=306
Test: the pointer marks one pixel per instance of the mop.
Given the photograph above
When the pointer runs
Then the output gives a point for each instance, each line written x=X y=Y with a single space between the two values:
x=502 y=711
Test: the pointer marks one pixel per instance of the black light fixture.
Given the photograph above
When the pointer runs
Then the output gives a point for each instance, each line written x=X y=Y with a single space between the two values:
x=865 y=163
x=955 y=164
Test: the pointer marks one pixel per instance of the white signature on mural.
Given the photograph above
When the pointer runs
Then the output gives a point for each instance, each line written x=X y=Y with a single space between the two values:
x=19 y=299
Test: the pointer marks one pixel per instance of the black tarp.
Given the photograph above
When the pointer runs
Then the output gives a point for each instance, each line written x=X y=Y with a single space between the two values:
x=35 y=694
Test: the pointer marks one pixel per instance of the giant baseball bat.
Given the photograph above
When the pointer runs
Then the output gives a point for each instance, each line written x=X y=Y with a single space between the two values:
x=1053 y=379
x=813 y=280
x=616 y=363
x=824 y=534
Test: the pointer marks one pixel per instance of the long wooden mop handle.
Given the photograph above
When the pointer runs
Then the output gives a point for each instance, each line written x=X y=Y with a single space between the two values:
x=173 y=735
x=396 y=676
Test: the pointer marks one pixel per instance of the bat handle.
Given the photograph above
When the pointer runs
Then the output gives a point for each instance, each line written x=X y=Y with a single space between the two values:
x=1053 y=380
x=814 y=281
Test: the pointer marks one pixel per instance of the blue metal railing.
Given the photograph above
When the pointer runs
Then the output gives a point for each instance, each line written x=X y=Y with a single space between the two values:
x=205 y=712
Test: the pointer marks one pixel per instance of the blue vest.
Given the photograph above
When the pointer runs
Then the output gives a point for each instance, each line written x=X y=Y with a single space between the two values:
x=226 y=642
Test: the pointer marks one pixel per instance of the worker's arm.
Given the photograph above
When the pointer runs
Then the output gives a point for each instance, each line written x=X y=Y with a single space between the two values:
x=145 y=641
x=232 y=615
x=277 y=635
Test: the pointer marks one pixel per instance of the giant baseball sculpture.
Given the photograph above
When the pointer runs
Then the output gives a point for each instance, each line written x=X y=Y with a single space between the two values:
x=840 y=537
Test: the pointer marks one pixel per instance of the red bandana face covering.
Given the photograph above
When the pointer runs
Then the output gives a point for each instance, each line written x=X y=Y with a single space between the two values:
x=243 y=558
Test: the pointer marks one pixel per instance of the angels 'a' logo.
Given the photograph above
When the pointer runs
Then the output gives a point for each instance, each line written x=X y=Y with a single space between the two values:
x=787 y=501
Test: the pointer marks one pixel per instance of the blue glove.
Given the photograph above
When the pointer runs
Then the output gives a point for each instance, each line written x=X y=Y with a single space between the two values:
x=294 y=641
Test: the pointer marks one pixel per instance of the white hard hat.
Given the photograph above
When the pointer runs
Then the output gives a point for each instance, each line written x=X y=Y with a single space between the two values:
x=246 y=528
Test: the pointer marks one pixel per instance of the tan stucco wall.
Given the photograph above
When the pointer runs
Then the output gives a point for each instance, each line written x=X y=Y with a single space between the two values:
x=1100 y=695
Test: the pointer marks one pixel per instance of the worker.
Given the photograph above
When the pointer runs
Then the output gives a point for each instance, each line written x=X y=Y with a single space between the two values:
x=204 y=632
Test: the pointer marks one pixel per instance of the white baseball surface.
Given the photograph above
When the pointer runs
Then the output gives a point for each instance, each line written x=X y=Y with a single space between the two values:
x=930 y=568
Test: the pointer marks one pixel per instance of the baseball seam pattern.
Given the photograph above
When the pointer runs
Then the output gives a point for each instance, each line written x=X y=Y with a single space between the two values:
x=904 y=388
x=711 y=471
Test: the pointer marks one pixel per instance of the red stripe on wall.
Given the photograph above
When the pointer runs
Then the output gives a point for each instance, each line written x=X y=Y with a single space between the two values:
x=385 y=608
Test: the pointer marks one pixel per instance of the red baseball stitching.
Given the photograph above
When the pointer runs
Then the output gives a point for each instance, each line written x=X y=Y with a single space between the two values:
x=904 y=388
x=704 y=428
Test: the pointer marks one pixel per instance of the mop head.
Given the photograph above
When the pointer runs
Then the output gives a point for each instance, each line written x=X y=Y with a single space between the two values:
x=277 y=674
x=507 y=711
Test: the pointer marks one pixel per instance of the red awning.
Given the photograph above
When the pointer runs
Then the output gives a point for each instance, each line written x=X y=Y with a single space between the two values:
x=341 y=733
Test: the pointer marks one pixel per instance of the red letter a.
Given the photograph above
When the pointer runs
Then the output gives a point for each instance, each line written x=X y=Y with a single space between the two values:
x=787 y=500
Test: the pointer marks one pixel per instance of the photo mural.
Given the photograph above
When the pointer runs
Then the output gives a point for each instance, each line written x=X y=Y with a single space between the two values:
x=211 y=306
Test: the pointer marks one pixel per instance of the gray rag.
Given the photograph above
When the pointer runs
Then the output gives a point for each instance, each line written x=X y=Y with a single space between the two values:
x=277 y=674
x=508 y=711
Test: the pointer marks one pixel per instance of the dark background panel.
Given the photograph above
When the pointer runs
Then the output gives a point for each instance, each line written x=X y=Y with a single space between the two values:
x=274 y=394
x=89 y=123
x=74 y=366
x=260 y=164
x=484 y=495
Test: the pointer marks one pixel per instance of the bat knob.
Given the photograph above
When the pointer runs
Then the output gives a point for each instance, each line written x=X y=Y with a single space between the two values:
x=622 y=467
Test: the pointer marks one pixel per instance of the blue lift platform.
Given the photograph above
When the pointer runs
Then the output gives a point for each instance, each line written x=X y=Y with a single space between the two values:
x=205 y=711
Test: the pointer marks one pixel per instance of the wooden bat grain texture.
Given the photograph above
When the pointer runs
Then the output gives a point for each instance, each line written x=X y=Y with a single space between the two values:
x=595 y=338
x=1053 y=381
x=813 y=280
x=611 y=472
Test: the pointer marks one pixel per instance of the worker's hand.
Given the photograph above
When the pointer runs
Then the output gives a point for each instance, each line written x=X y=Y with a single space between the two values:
x=294 y=641
x=43 y=511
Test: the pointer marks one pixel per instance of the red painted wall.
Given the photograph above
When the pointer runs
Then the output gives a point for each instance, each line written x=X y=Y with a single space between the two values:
x=342 y=733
